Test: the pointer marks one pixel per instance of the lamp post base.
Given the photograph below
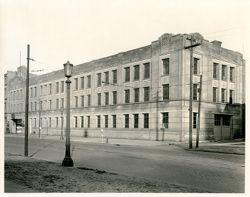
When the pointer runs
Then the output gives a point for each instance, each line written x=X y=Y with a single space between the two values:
x=68 y=162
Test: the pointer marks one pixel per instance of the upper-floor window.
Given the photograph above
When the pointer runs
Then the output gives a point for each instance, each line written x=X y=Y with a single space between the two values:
x=195 y=92
x=231 y=74
x=99 y=99
x=31 y=92
x=57 y=87
x=146 y=70
x=50 y=88
x=146 y=93
x=89 y=100
x=106 y=75
x=114 y=97
x=41 y=88
x=82 y=101
x=215 y=92
x=75 y=121
x=99 y=79
x=62 y=86
x=196 y=66
x=137 y=95
x=127 y=74
x=62 y=103
x=106 y=98
x=231 y=96
x=57 y=103
x=223 y=95
x=215 y=70
x=76 y=83
x=224 y=72
x=136 y=72
x=127 y=96
x=76 y=101
x=89 y=81
x=114 y=76
x=106 y=121
x=114 y=121
x=165 y=88
x=82 y=82
x=165 y=63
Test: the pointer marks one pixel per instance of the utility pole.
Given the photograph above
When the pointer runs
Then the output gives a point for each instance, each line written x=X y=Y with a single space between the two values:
x=190 y=47
x=199 y=114
x=27 y=105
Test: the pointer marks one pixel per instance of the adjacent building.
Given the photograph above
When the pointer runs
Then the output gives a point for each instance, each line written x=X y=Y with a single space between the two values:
x=138 y=94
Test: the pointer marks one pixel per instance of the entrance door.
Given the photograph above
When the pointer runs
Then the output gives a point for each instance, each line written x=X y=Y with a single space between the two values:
x=222 y=129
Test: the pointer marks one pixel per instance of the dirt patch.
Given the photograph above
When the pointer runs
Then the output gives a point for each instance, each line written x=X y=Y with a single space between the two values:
x=43 y=176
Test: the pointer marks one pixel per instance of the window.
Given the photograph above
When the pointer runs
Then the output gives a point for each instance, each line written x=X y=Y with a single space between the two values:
x=114 y=76
x=114 y=97
x=106 y=121
x=99 y=79
x=76 y=83
x=146 y=120
x=31 y=92
x=224 y=72
x=82 y=101
x=223 y=95
x=35 y=106
x=215 y=94
x=106 y=75
x=106 y=98
x=62 y=86
x=165 y=63
x=165 y=91
x=196 y=65
x=50 y=104
x=99 y=99
x=82 y=121
x=57 y=87
x=126 y=116
x=57 y=122
x=231 y=96
x=57 y=103
x=231 y=74
x=89 y=81
x=62 y=121
x=127 y=74
x=146 y=70
x=137 y=94
x=35 y=122
x=114 y=121
x=88 y=121
x=50 y=88
x=127 y=96
x=62 y=102
x=76 y=101
x=75 y=121
x=195 y=92
x=136 y=120
x=82 y=82
x=49 y=122
x=215 y=70
x=146 y=94
x=226 y=120
x=89 y=100
x=35 y=90
x=136 y=72
x=41 y=90
x=165 y=119
x=195 y=120
x=98 y=121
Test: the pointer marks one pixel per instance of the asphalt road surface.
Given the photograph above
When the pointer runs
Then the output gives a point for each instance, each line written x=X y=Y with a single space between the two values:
x=214 y=172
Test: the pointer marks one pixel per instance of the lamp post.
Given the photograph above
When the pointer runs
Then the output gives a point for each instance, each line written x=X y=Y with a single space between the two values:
x=68 y=162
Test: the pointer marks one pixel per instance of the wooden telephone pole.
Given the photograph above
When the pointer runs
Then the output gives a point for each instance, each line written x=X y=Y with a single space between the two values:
x=190 y=47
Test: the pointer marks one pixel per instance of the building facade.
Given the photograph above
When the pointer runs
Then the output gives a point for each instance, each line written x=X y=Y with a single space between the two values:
x=138 y=94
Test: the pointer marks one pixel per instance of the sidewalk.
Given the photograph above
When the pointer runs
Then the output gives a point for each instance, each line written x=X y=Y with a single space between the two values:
x=236 y=146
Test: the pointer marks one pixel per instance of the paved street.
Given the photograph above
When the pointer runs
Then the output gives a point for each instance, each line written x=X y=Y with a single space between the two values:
x=214 y=172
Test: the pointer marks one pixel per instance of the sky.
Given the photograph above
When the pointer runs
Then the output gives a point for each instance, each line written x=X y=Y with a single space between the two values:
x=84 y=30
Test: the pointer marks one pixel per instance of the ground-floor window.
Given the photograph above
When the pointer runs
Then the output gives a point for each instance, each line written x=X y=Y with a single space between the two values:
x=106 y=121
x=126 y=116
x=98 y=121
x=136 y=120
x=146 y=120
x=88 y=119
x=165 y=119
x=82 y=121
x=114 y=121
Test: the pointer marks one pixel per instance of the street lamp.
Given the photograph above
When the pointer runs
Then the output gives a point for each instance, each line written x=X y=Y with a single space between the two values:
x=68 y=67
